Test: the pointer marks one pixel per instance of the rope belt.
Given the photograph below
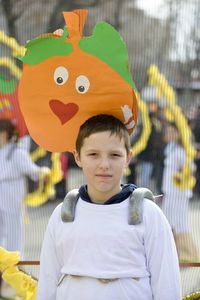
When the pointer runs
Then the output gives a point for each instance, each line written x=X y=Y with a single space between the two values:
x=102 y=280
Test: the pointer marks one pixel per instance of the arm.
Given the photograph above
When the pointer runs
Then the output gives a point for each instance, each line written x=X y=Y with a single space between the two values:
x=162 y=260
x=50 y=265
x=23 y=162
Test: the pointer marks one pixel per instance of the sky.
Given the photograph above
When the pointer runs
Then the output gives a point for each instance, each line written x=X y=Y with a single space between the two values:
x=154 y=8
x=186 y=28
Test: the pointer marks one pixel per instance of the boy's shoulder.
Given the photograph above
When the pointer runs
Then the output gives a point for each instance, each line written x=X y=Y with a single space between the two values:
x=56 y=214
x=153 y=215
x=140 y=199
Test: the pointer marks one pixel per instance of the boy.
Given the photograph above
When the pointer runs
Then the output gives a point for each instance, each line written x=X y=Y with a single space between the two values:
x=99 y=255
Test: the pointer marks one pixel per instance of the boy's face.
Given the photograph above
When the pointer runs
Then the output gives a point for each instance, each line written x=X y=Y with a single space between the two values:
x=103 y=158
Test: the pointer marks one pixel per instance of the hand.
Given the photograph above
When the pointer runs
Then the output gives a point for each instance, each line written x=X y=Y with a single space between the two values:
x=58 y=32
x=45 y=173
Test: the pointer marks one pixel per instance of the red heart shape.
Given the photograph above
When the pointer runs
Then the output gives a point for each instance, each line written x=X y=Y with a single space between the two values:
x=63 y=111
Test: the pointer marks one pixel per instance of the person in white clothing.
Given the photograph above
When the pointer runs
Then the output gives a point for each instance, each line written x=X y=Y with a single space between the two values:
x=175 y=204
x=15 y=164
x=99 y=255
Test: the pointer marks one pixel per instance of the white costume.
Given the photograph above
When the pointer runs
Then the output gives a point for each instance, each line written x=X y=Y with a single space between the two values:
x=15 y=165
x=176 y=201
x=100 y=244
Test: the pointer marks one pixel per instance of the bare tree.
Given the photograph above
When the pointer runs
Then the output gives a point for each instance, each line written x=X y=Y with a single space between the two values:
x=10 y=16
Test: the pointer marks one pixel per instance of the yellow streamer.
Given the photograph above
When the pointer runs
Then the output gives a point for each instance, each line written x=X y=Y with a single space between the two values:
x=10 y=64
x=24 y=285
x=184 y=179
x=18 y=50
x=8 y=259
x=140 y=145
x=46 y=191
x=38 y=153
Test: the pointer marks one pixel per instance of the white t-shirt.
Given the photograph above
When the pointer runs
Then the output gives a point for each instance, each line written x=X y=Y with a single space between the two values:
x=101 y=244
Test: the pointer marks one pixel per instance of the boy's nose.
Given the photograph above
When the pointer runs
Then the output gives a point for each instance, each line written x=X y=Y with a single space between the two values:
x=104 y=163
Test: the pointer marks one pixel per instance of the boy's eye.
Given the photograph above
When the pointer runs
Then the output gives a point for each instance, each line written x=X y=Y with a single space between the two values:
x=115 y=154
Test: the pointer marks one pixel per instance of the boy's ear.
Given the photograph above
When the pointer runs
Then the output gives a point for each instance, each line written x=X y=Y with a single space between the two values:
x=77 y=158
x=129 y=157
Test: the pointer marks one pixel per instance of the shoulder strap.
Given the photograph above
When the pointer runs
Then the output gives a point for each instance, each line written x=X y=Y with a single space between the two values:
x=69 y=205
x=135 y=205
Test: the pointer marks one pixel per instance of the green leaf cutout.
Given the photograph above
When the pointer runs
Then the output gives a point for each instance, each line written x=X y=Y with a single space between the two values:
x=42 y=48
x=107 y=44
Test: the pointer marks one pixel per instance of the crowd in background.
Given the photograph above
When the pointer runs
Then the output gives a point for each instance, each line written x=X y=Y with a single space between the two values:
x=152 y=168
x=146 y=169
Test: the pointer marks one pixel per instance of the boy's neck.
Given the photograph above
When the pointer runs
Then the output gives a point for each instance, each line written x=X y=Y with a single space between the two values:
x=102 y=197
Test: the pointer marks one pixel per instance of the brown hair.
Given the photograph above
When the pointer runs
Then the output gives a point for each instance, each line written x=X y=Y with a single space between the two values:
x=7 y=126
x=100 y=123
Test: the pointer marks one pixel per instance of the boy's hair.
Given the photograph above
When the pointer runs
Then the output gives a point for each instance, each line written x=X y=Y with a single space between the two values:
x=8 y=127
x=100 y=123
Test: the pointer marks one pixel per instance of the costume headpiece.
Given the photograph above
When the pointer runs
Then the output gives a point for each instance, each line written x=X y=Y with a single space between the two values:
x=68 y=79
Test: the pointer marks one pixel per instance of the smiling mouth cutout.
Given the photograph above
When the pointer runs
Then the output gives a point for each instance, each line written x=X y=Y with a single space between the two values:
x=63 y=111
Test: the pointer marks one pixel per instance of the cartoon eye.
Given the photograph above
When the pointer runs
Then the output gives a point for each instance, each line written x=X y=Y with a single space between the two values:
x=82 y=84
x=60 y=75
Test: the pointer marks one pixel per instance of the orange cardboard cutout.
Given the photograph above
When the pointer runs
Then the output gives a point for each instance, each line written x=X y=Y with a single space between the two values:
x=60 y=93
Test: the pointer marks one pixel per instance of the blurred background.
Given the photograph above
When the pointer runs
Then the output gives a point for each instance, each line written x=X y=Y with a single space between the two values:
x=160 y=33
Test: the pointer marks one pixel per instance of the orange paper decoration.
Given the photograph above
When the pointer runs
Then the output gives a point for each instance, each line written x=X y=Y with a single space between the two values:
x=68 y=79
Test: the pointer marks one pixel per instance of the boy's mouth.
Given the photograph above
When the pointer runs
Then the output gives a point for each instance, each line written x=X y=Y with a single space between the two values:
x=104 y=175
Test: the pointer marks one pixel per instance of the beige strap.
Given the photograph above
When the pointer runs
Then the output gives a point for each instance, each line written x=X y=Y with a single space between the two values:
x=102 y=280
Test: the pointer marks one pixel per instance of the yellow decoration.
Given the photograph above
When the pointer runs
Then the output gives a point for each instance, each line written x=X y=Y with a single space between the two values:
x=38 y=153
x=24 y=285
x=184 y=179
x=18 y=50
x=140 y=145
x=10 y=64
x=193 y=296
x=168 y=115
x=45 y=191
x=8 y=258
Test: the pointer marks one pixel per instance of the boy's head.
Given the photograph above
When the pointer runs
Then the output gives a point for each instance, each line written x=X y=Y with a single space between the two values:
x=101 y=123
x=103 y=152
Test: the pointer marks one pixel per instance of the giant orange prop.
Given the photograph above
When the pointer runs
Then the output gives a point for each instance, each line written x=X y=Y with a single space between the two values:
x=67 y=79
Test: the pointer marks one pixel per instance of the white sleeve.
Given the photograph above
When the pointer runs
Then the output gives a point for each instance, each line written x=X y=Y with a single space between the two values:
x=50 y=265
x=23 y=162
x=162 y=259
x=178 y=158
